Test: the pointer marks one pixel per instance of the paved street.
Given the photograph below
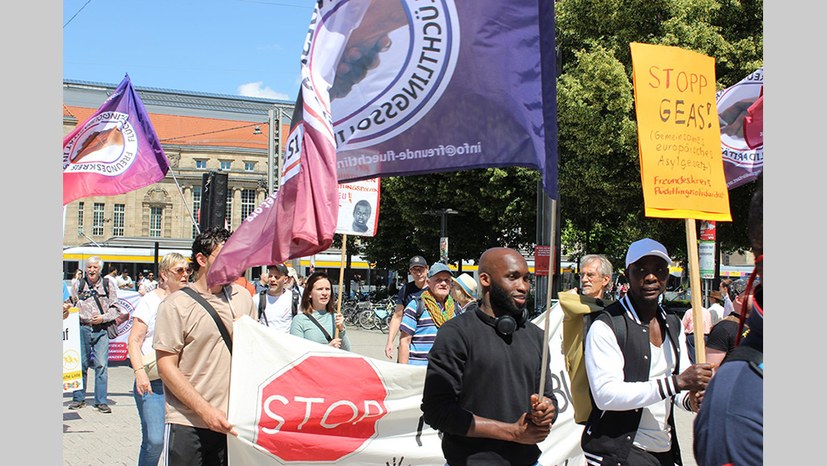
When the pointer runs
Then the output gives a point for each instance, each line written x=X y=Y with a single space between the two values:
x=93 y=438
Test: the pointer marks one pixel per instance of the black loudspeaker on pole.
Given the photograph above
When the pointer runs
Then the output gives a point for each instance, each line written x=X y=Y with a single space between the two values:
x=213 y=200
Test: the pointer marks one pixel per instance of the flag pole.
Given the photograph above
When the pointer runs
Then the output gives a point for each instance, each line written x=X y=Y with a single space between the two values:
x=695 y=290
x=551 y=271
x=186 y=206
x=341 y=282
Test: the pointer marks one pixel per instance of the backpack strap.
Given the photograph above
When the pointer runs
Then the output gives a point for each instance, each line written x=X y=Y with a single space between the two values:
x=420 y=308
x=296 y=300
x=262 y=303
x=211 y=311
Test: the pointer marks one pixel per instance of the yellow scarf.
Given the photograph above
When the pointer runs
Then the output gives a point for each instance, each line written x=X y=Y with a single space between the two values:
x=438 y=316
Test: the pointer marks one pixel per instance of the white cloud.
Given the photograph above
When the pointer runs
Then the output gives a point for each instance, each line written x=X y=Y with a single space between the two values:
x=255 y=89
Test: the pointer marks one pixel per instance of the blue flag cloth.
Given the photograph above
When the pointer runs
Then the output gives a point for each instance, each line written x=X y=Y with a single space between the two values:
x=440 y=86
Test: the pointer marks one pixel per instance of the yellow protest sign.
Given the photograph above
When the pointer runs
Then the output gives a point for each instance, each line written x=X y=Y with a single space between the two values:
x=679 y=135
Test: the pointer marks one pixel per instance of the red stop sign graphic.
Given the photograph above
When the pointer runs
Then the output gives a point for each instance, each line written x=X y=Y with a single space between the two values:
x=322 y=408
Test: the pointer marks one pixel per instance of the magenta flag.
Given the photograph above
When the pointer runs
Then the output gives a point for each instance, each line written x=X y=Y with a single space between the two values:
x=300 y=218
x=754 y=124
x=113 y=152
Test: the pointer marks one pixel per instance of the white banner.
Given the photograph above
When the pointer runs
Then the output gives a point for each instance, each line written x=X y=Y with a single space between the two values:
x=72 y=373
x=562 y=446
x=298 y=402
x=127 y=300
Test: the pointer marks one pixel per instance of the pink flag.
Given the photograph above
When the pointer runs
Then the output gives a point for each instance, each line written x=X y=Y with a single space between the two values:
x=300 y=218
x=754 y=123
x=113 y=152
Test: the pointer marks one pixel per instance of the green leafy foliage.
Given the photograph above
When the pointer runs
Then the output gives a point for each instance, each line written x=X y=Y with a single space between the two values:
x=601 y=200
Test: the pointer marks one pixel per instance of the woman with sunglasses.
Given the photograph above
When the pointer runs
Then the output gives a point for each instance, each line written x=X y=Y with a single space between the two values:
x=318 y=320
x=173 y=274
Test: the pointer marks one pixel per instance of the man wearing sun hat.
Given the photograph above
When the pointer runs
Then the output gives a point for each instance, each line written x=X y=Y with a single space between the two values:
x=425 y=314
x=464 y=290
x=635 y=384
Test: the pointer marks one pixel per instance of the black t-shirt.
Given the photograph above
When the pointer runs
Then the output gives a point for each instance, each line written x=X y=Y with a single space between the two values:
x=722 y=335
x=408 y=292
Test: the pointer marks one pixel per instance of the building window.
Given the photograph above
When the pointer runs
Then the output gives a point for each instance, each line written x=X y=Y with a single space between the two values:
x=202 y=164
x=80 y=218
x=249 y=166
x=97 y=219
x=248 y=202
x=118 y=218
x=196 y=208
x=225 y=165
x=155 y=217
x=229 y=212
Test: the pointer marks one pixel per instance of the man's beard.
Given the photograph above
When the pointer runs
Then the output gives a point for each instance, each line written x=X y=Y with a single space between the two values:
x=500 y=301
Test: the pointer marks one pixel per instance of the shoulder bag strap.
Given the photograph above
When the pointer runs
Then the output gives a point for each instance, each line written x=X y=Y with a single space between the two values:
x=95 y=294
x=326 y=335
x=262 y=304
x=221 y=327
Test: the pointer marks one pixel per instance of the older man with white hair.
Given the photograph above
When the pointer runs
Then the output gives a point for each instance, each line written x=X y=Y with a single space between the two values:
x=96 y=296
x=595 y=275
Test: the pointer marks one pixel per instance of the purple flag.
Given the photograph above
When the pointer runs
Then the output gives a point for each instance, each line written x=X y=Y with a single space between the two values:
x=423 y=87
x=113 y=152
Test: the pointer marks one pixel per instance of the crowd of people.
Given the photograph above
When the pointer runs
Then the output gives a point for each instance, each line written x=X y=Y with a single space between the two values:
x=481 y=354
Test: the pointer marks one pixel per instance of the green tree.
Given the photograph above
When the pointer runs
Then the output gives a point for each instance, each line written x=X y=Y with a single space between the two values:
x=600 y=193
x=601 y=200
x=496 y=207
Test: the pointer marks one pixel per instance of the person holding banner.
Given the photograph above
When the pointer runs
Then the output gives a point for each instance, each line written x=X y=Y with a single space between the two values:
x=319 y=320
x=729 y=428
x=484 y=370
x=638 y=367
x=173 y=271
x=194 y=357
x=96 y=296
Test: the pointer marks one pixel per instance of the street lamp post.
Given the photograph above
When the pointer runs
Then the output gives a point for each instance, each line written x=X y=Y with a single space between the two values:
x=273 y=148
x=443 y=231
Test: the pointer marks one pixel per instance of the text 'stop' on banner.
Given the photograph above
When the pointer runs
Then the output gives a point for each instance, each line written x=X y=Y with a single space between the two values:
x=679 y=136
x=425 y=87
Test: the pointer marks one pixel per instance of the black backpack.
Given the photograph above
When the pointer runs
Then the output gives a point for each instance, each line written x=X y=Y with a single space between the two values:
x=85 y=282
x=262 y=303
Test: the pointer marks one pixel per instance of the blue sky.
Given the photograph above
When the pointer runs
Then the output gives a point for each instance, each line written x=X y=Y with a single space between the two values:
x=235 y=47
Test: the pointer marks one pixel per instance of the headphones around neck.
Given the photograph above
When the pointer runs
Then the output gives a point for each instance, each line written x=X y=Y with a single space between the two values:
x=504 y=325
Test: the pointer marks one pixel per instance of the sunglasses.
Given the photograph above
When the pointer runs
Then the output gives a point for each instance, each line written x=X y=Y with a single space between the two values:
x=181 y=270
